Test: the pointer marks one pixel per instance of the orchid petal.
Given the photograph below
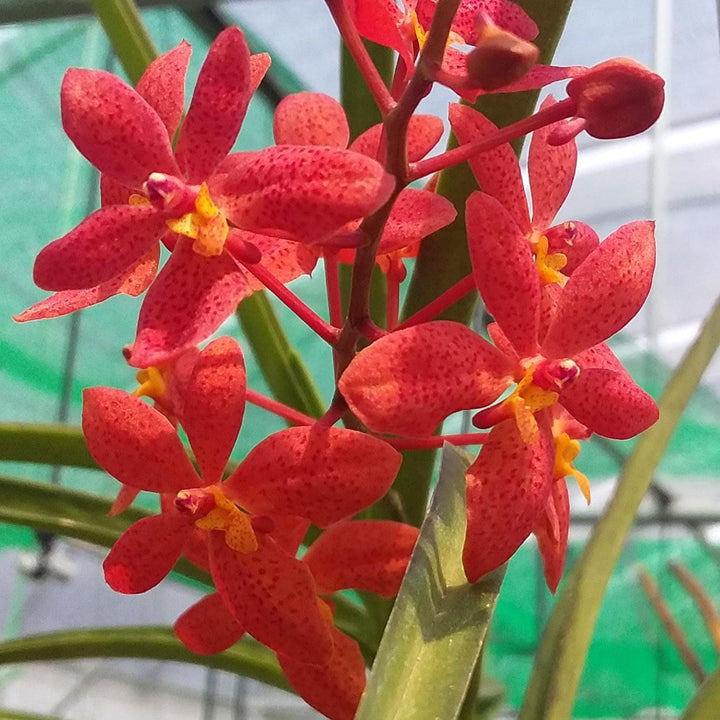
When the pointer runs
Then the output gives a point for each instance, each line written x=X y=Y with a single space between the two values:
x=423 y=134
x=213 y=406
x=322 y=474
x=504 y=270
x=102 y=246
x=124 y=499
x=551 y=169
x=135 y=443
x=497 y=171
x=188 y=301
x=163 y=85
x=600 y=356
x=334 y=689
x=259 y=65
x=303 y=192
x=288 y=532
x=507 y=488
x=609 y=403
x=415 y=215
x=605 y=292
x=584 y=240
x=272 y=595
x=310 y=118
x=146 y=552
x=114 y=127
x=207 y=627
x=552 y=534
x=132 y=282
x=383 y=22
x=410 y=380
x=113 y=192
x=370 y=555
x=218 y=106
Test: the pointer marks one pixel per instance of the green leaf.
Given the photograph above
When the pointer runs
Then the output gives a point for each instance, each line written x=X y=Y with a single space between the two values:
x=706 y=701
x=127 y=34
x=281 y=365
x=247 y=657
x=49 y=444
x=436 y=630
x=561 y=656
x=12 y=715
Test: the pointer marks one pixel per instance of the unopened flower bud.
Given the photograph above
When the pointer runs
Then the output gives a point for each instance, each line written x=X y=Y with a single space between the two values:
x=617 y=98
x=499 y=58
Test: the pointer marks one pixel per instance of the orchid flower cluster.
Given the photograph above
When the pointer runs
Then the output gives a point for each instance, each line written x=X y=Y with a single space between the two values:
x=236 y=222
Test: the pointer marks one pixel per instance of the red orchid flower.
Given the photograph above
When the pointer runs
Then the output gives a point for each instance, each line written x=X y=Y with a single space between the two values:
x=405 y=30
x=370 y=555
x=296 y=476
x=279 y=191
x=551 y=172
x=440 y=367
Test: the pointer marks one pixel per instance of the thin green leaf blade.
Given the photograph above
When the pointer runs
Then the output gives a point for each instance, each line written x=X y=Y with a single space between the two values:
x=706 y=701
x=438 y=625
x=46 y=443
x=247 y=657
x=561 y=656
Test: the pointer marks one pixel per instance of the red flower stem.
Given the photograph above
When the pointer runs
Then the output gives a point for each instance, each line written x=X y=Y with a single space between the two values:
x=392 y=279
x=332 y=285
x=325 y=330
x=564 y=109
x=354 y=43
x=284 y=411
x=436 y=441
x=440 y=303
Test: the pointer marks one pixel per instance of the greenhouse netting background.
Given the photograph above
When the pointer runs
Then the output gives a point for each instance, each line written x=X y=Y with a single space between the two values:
x=669 y=173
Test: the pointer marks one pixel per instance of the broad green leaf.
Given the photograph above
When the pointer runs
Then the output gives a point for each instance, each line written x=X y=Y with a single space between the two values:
x=436 y=630
x=49 y=444
x=247 y=657
x=12 y=715
x=83 y=516
x=561 y=656
x=706 y=701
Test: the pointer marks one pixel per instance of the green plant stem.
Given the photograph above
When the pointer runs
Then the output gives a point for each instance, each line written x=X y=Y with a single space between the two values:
x=128 y=35
x=46 y=443
x=561 y=656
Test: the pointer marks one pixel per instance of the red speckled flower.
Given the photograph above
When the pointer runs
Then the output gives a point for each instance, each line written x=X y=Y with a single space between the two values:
x=251 y=524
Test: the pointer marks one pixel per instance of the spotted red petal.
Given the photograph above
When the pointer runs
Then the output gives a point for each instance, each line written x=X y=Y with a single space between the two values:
x=504 y=270
x=113 y=192
x=409 y=381
x=497 y=171
x=609 y=403
x=335 y=688
x=424 y=133
x=146 y=552
x=213 y=406
x=218 y=106
x=415 y=215
x=552 y=534
x=323 y=474
x=303 y=192
x=188 y=301
x=383 y=22
x=551 y=169
x=207 y=627
x=507 y=488
x=163 y=85
x=131 y=282
x=605 y=291
x=101 y=247
x=272 y=595
x=310 y=118
x=135 y=443
x=114 y=127
x=259 y=65
x=370 y=555
x=123 y=500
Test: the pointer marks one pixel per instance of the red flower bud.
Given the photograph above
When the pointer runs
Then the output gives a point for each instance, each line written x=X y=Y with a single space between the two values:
x=499 y=58
x=617 y=98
